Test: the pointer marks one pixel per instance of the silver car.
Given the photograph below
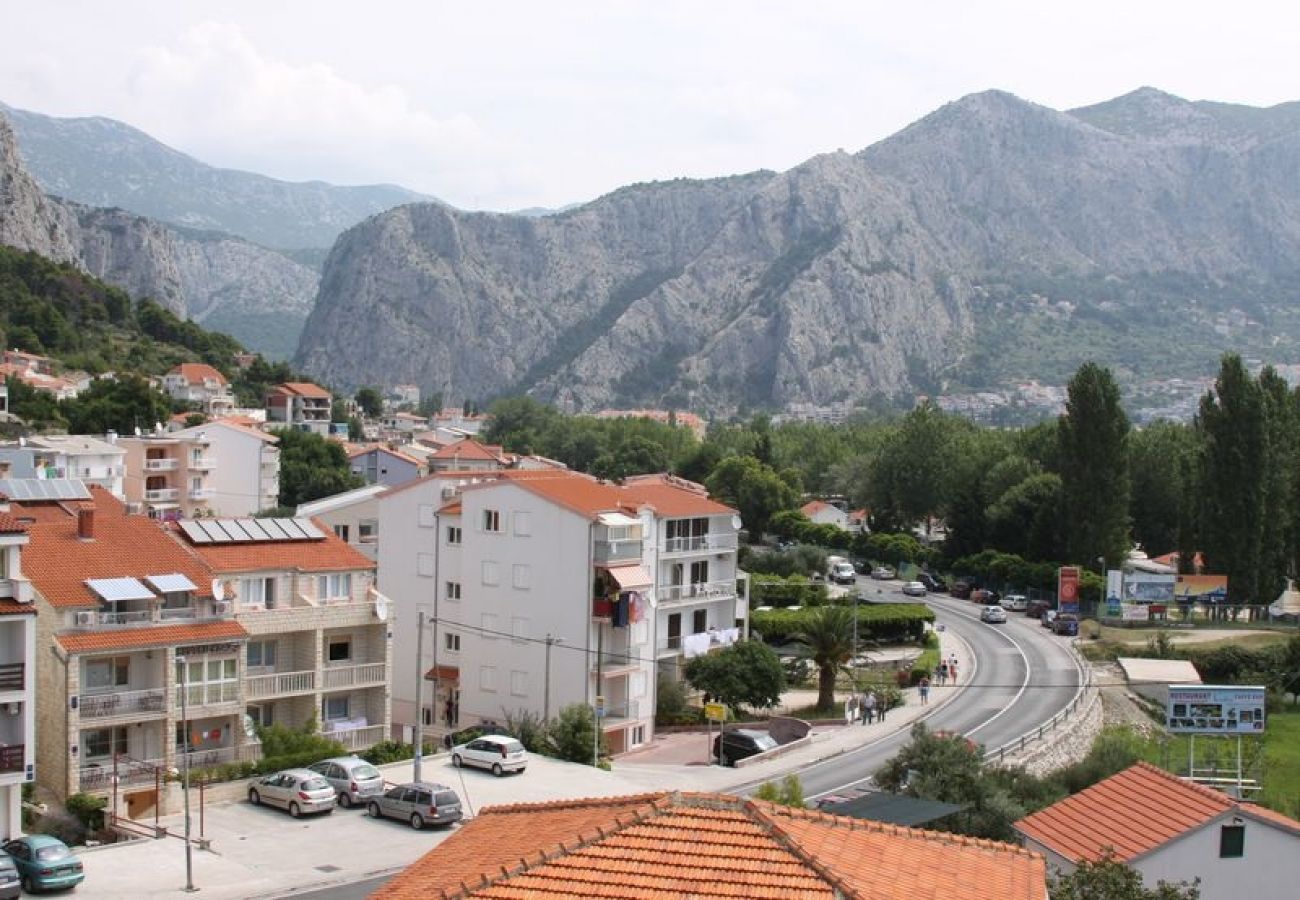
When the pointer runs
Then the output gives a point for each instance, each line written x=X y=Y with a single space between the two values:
x=498 y=753
x=297 y=790
x=353 y=779
x=419 y=802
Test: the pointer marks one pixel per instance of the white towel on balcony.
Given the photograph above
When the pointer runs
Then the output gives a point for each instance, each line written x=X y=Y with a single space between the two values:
x=696 y=644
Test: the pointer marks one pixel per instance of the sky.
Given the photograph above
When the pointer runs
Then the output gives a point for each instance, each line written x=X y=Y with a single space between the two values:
x=508 y=105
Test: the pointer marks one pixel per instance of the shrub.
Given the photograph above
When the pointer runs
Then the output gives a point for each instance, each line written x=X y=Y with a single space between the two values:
x=89 y=810
x=573 y=733
x=671 y=705
x=63 y=825
x=392 y=751
x=924 y=666
x=529 y=728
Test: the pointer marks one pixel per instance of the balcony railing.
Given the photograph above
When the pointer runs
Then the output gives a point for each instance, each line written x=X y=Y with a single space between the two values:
x=700 y=543
x=168 y=614
x=620 y=660
x=132 y=617
x=358 y=738
x=362 y=675
x=628 y=709
x=604 y=552
x=203 y=462
x=703 y=591
x=201 y=493
x=161 y=495
x=671 y=644
x=12 y=676
x=208 y=694
x=13 y=757
x=19 y=589
x=199 y=759
x=259 y=687
x=122 y=703
x=98 y=777
x=161 y=464
x=145 y=618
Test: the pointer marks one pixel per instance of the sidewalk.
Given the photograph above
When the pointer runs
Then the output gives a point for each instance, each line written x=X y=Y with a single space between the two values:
x=263 y=853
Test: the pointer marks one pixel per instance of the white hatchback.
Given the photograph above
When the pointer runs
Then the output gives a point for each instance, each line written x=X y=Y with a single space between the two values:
x=498 y=753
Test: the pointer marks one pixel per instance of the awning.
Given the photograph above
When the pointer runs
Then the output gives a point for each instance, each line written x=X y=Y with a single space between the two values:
x=172 y=583
x=443 y=673
x=114 y=590
x=630 y=578
x=617 y=520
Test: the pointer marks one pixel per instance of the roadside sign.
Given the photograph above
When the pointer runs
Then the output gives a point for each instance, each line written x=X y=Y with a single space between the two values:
x=715 y=712
x=1215 y=709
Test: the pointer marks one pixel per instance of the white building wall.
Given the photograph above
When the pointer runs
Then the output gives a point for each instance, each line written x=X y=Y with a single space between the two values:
x=1268 y=870
x=240 y=484
x=18 y=645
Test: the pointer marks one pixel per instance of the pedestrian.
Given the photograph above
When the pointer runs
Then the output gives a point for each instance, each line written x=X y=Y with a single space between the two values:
x=952 y=670
x=943 y=672
x=882 y=705
x=869 y=708
x=924 y=687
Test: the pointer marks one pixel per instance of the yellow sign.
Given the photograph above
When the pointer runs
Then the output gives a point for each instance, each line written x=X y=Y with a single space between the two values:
x=715 y=712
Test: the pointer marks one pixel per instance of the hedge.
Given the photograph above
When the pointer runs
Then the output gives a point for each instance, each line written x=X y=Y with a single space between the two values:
x=795 y=590
x=884 y=622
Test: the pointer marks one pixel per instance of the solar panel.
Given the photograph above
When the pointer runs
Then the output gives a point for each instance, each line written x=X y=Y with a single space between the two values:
x=217 y=535
x=171 y=583
x=309 y=528
x=44 y=489
x=115 y=589
x=274 y=529
x=291 y=528
x=235 y=529
x=254 y=529
x=194 y=532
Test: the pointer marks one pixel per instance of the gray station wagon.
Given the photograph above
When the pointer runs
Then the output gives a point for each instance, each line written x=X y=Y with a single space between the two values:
x=418 y=802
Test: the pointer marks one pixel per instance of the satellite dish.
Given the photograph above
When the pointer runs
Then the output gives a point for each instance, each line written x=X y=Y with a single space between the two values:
x=381 y=608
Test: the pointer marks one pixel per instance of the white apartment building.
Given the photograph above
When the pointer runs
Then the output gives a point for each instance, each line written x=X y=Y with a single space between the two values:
x=17 y=676
x=90 y=460
x=201 y=384
x=245 y=479
x=545 y=588
x=169 y=476
x=352 y=515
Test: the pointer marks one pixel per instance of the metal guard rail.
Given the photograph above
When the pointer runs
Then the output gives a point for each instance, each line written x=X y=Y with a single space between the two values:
x=1017 y=745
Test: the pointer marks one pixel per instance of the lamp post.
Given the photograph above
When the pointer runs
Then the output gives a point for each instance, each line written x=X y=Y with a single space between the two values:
x=418 y=738
x=185 y=770
x=546 y=679
x=1101 y=593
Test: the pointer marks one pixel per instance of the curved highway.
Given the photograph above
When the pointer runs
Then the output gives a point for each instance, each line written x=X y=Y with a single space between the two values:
x=1022 y=676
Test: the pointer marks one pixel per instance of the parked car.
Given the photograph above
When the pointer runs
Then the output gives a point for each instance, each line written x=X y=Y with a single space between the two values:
x=741 y=743
x=932 y=582
x=986 y=597
x=10 y=886
x=297 y=790
x=841 y=571
x=882 y=573
x=914 y=589
x=353 y=779
x=994 y=615
x=497 y=752
x=961 y=590
x=44 y=863
x=1015 y=602
x=1066 y=624
x=419 y=803
x=1048 y=617
x=1036 y=608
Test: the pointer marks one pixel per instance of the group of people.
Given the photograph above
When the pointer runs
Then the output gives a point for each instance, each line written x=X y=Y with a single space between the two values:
x=869 y=707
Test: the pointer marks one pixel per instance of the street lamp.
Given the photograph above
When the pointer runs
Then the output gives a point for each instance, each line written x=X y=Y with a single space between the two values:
x=185 y=771
x=546 y=689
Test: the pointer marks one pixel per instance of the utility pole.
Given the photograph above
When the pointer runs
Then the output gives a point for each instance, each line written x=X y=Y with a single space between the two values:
x=546 y=680
x=185 y=771
x=419 y=697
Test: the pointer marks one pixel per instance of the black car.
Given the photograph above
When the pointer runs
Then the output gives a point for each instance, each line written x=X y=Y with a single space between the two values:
x=933 y=583
x=961 y=590
x=741 y=743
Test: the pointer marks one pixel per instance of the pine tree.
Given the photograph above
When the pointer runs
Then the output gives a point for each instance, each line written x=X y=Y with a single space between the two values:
x=1094 y=461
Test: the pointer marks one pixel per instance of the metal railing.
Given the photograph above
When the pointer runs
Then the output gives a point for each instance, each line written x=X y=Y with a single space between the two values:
x=12 y=676
x=122 y=703
x=353 y=676
x=133 y=617
x=217 y=756
x=261 y=686
x=628 y=709
x=96 y=777
x=700 y=543
x=1083 y=698
x=158 y=495
x=706 y=590
x=358 y=738
x=161 y=464
x=178 y=612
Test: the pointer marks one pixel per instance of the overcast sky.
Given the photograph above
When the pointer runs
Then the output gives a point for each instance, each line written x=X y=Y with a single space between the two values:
x=507 y=105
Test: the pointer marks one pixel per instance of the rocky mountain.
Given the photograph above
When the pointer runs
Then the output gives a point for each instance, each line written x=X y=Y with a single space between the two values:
x=991 y=242
x=103 y=162
x=257 y=295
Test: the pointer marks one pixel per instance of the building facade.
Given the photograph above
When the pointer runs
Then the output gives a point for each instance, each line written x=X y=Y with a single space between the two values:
x=90 y=460
x=299 y=405
x=352 y=515
x=380 y=465
x=17 y=676
x=169 y=476
x=246 y=478
x=200 y=384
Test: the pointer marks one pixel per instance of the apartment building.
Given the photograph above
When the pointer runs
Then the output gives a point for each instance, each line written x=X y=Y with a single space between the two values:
x=169 y=476
x=318 y=631
x=300 y=405
x=245 y=479
x=201 y=384
x=467 y=453
x=546 y=587
x=379 y=465
x=352 y=515
x=17 y=676
x=87 y=459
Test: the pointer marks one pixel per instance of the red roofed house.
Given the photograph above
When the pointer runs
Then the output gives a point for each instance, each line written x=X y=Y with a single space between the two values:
x=626 y=580
x=17 y=675
x=672 y=845
x=467 y=454
x=1171 y=829
x=819 y=512
x=300 y=405
x=202 y=384
x=377 y=464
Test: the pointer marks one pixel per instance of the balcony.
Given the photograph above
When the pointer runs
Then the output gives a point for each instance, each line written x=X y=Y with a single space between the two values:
x=123 y=703
x=357 y=738
x=98 y=777
x=279 y=684
x=132 y=617
x=612 y=664
x=703 y=592
x=201 y=493
x=217 y=756
x=203 y=463
x=161 y=464
x=161 y=495
x=617 y=712
x=217 y=693
x=605 y=552
x=12 y=676
x=704 y=543
x=669 y=646
x=13 y=757
x=364 y=675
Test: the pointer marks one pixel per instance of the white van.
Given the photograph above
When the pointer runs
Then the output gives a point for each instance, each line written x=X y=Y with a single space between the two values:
x=1015 y=602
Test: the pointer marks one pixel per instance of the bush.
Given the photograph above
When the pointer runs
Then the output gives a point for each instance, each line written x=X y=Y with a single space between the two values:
x=882 y=622
x=791 y=590
x=671 y=706
x=529 y=728
x=63 y=825
x=392 y=751
x=88 y=810
x=924 y=666
x=573 y=733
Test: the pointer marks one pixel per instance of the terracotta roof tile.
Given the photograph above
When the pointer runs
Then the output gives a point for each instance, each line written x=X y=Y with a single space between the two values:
x=667 y=496
x=813 y=506
x=468 y=448
x=195 y=373
x=330 y=554
x=162 y=636
x=11 y=607
x=1132 y=813
x=669 y=846
x=302 y=389
x=9 y=524
x=58 y=562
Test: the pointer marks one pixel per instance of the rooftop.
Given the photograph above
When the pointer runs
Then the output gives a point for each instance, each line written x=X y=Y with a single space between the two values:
x=327 y=553
x=197 y=373
x=160 y=636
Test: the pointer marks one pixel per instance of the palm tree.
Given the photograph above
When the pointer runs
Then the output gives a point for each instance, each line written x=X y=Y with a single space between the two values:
x=828 y=636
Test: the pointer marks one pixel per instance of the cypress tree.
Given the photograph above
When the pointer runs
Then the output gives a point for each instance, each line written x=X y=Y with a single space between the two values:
x=1094 y=459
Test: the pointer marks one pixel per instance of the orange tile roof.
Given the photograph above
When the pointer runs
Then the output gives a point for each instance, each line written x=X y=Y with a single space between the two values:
x=362 y=450
x=162 y=636
x=468 y=448
x=10 y=525
x=813 y=506
x=666 y=495
x=330 y=554
x=302 y=389
x=1133 y=813
x=11 y=607
x=675 y=845
x=196 y=373
x=671 y=499
x=58 y=562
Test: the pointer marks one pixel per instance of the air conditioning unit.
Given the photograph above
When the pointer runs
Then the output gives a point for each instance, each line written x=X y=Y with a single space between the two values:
x=448 y=491
x=85 y=618
x=221 y=607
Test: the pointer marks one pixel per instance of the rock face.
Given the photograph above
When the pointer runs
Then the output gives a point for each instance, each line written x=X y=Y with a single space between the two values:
x=259 y=296
x=993 y=239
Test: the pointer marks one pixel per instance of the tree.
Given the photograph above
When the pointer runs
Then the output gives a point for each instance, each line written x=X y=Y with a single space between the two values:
x=1110 y=879
x=910 y=479
x=370 y=401
x=122 y=404
x=748 y=673
x=1094 y=468
x=788 y=792
x=1026 y=519
x=827 y=636
x=754 y=489
x=311 y=467
x=572 y=735
x=1159 y=455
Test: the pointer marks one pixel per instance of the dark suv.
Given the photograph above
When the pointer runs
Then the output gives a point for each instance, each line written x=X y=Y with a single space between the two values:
x=961 y=590
x=933 y=583
x=741 y=743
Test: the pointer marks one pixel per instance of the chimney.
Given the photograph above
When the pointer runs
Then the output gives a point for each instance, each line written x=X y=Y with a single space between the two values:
x=86 y=522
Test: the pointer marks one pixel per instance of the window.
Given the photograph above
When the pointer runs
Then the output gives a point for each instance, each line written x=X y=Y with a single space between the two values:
x=519 y=683
x=700 y=572
x=453 y=590
x=451 y=641
x=368 y=531
x=103 y=741
x=453 y=534
x=106 y=674
x=489 y=621
x=491 y=520
x=487 y=678
x=519 y=628
x=339 y=649
x=699 y=620
x=428 y=516
x=261 y=654
x=1232 y=841
x=336 y=708
x=490 y=574
x=637 y=736
x=523 y=576
x=208 y=679
x=256 y=591
x=334 y=587
x=523 y=523
x=674 y=629
x=262 y=714
x=341 y=532
x=424 y=564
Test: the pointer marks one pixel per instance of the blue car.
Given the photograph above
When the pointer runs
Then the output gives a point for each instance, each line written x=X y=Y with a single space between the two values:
x=44 y=863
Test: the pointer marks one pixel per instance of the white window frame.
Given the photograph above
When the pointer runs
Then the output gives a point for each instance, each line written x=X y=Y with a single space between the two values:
x=492 y=521
x=424 y=566
x=345 y=699
x=262 y=663
x=452 y=590
x=331 y=642
x=367 y=531
x=454 y=535
x=118 y=672
x=523 y=522
x=491 y=573
x=487 y=679
x=428 y=516
x=519 y=628
x=518 y=683
x=451 y=642
x=490 y=623
x=521 y=575
x=334 y=586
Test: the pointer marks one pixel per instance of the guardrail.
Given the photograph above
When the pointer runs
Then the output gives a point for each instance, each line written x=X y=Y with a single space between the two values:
x=1082 y=697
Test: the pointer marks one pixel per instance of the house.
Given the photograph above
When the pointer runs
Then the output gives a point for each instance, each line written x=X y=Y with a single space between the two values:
x=547 y=587
x=819 y=512
x=245 y=479
x=352 y=515
x=170 y=476
x=300 y=405
x=17 y=675
x=687 y=420
x=63 y=387
x=403 y=423
x=202 y=384
x=668 y=846
x=467 y=453
x=403 y=395
x=1173 y=830
x=317 y=631
x=378 y=464
x=90 y=460
x=121 y=607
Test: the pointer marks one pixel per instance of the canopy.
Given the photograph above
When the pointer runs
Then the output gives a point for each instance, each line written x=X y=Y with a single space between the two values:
x=630 y=578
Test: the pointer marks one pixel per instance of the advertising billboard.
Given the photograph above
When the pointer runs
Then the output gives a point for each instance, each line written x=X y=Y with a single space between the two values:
x=1203 y=588
x=1143 y=587
x=1215 y=709
x=1067 y=589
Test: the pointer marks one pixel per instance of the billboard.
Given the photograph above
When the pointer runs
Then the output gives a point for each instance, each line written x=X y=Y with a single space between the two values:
x=1067 y=589
x=1144 y=587
x=1203 y=588
x=1215 y=709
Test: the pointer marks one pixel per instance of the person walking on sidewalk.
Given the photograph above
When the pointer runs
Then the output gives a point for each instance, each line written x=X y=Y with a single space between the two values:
x=923 y=687
x=952 y=669
x=882 y=706
x=942 y=672
x=868 y=708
